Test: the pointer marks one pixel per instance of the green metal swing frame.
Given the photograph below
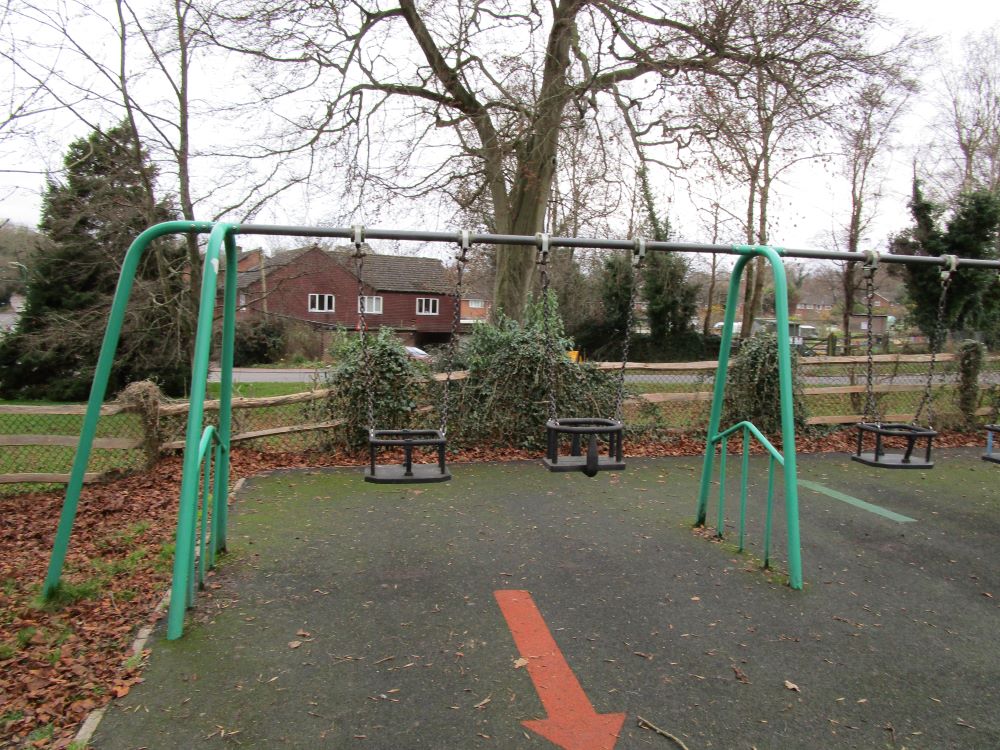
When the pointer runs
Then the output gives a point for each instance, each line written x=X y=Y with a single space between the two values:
x=206 y=449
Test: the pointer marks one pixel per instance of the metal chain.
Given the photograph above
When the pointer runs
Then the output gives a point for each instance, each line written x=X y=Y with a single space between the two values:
x=462 y=258
x=366 y=361
x=927 y=399
x=550 y=357
x=638 y=256
x=871 y=412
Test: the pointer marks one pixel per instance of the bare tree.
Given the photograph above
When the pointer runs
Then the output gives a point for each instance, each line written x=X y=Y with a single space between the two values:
x=968 y=126
x=472 y=100
x=770 y=120
x=865 y=129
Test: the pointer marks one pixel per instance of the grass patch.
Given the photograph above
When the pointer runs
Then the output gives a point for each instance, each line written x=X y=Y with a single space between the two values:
x=7 y=651
x=10 y=717
x=127 y=564
x=164 y=560
x=69 y=593
x=42 y=733
x=24 y=636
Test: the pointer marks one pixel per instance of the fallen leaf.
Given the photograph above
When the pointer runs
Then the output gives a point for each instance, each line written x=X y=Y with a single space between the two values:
x=792 y=686
x=522 y=662
x=294 y=644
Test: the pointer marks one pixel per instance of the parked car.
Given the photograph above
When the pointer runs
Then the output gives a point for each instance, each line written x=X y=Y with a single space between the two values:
x=418 y=354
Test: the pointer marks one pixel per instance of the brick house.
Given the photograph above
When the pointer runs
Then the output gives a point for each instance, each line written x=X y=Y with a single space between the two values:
x=412 y=296
x=476 y=304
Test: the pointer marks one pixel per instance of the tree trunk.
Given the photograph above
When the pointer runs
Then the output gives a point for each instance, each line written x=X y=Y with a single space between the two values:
x=707 y=326
x=529 y=196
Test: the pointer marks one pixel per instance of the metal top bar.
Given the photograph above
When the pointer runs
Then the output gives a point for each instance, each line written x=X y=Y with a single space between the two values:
x=596 y=243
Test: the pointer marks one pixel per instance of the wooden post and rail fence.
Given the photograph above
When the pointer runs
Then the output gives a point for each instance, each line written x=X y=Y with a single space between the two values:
x=11 y=415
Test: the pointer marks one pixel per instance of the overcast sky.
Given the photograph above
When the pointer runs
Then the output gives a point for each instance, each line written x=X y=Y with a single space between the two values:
x=807 y=206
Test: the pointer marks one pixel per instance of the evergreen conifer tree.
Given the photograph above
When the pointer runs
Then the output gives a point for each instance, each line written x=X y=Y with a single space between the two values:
x=91 y=217
x=973 y=301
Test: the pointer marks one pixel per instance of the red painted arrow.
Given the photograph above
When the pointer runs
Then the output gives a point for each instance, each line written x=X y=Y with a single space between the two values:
x=572 y=722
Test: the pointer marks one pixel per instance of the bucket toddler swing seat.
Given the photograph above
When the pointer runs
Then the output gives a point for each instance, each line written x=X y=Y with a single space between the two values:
x=912 y=435
x=584 y=432
x=407 y=472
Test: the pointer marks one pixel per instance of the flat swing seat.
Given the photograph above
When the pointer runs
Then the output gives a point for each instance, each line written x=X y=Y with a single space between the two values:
x=407 y=472
x=586 y=455
x=992 y=431
x=909 y=458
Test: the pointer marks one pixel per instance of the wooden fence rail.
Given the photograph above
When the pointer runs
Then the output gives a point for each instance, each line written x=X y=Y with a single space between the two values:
x=178 y=409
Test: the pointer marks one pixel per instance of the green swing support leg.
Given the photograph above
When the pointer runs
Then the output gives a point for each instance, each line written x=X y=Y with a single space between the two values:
x=787 y=457
x=194 y=449
x=98 y=389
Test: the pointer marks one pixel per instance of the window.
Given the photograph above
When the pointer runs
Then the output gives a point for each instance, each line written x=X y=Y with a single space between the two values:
x=477 y=304
x=877 y=302
x=370 y=305
x=243 y=300
x=321 y=303
x=427 y=306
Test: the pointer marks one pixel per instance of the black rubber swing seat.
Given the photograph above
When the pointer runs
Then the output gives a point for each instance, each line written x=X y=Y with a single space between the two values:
x=406 y=472
x=909 y=458
x=994 y=434
x=587 y=459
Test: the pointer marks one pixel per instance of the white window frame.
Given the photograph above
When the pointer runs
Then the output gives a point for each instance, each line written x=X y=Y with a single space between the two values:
x=375 y=308
x=315 y=306
x=477 y=304
x=428 y=306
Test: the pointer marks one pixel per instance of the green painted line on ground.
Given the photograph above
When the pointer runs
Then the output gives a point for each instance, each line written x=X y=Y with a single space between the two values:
x=870 y=507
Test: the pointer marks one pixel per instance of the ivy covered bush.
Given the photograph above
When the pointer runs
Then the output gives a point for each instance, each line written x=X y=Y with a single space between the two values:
x=396 y=382
x=971 y=355
x=504 y=399
x=752 y=387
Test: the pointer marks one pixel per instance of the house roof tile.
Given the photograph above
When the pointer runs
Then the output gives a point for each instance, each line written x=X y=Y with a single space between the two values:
x=384 y=273
x=398 y=273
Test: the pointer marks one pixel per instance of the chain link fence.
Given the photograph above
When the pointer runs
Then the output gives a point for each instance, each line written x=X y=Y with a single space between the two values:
x=37 y=443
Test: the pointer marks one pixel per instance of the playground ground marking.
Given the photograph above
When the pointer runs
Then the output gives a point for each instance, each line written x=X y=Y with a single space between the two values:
x=870 y=507
x=572 y=723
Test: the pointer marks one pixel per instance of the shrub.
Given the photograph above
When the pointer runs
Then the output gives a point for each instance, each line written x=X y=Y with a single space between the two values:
x=504 y=399
x=970 y=364
x=258 y=341
x=752 y=387
x=302 y=342
x=395 y=383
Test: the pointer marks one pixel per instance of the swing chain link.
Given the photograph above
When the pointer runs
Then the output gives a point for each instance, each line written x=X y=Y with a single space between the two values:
x=464 y=241
x=358 y=232
x=543 y=269
x=871 y=411
x=927 y=399
x=638 y=258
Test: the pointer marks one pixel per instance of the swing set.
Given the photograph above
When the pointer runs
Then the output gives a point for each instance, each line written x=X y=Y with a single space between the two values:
x=204 y=484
